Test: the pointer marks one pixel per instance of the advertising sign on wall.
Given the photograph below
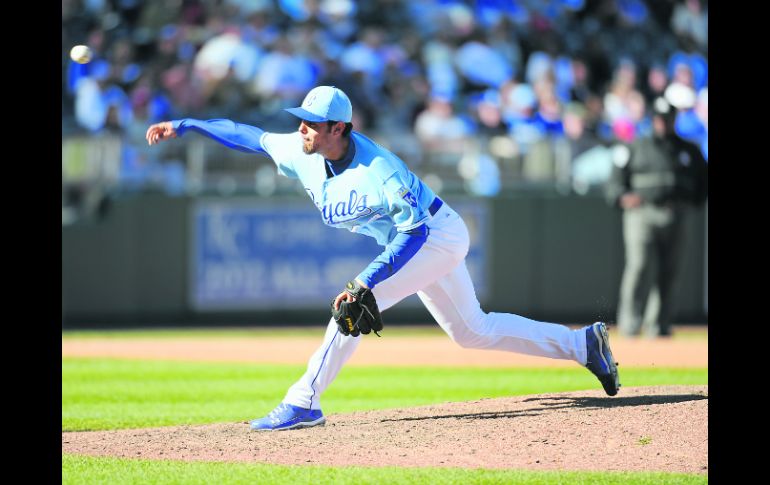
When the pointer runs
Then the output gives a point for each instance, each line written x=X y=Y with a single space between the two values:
x=257 y=255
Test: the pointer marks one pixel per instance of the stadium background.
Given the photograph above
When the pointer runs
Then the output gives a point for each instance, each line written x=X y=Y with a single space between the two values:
x=483 y=99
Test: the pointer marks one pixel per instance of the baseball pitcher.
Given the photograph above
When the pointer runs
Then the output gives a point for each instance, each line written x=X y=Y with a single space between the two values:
x=360 y=186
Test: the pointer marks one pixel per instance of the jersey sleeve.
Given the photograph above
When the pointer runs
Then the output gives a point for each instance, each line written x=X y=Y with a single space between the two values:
x=244 y=138
x=409 y=212
x=396 y=254
x=403 y=203
x=283 y=148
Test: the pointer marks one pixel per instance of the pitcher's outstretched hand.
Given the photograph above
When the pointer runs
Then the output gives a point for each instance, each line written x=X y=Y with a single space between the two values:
x=159 y=132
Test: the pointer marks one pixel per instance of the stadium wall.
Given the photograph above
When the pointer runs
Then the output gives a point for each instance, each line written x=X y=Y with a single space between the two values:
x=547 y=256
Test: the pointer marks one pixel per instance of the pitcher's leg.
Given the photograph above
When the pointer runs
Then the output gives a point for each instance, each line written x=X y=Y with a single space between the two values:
x=452 y=302
x=431 y=262
x=444 y=249
x=323 y=367
x=336 y=349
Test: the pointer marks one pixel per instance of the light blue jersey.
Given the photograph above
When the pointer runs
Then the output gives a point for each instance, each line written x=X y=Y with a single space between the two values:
x=376 y=195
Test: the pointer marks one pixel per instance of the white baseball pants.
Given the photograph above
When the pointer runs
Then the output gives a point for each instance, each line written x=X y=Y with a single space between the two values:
x=437 y=273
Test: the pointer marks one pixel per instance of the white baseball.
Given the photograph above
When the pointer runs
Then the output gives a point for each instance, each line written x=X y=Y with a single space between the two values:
x=81 y=54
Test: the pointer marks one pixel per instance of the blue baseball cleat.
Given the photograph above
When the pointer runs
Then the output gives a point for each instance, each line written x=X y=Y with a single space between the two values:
x=286 y=416
x=600 y=360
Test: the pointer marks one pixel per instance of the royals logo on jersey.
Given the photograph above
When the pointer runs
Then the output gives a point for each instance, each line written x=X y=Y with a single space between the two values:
x=404 y=193
x=343 y=211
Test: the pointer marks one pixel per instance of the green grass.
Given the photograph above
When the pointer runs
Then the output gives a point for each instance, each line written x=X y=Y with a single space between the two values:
x=102 y=394
x=87 y=470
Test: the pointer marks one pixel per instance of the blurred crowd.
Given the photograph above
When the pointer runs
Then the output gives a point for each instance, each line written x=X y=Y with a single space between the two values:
x=489 y=90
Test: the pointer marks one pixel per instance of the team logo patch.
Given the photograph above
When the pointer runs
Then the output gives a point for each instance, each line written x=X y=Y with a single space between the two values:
x=404 y=193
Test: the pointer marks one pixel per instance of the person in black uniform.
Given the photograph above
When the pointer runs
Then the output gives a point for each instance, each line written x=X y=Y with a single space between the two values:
x=655 y=180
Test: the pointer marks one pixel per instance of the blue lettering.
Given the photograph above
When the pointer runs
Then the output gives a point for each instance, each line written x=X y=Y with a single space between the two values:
x=355 y=207
x=339 y=209
x=362 y=205
x=352 y=201
x=326 y=213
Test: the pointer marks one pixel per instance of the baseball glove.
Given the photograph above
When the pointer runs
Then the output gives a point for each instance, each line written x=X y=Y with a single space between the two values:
x=360 y=316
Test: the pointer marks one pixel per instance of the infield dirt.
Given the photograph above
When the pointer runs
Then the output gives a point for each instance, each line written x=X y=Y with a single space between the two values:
x=640 y=429
x=688 y=349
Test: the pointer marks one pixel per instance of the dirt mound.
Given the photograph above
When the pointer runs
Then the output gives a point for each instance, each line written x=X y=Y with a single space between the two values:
x=642 y=428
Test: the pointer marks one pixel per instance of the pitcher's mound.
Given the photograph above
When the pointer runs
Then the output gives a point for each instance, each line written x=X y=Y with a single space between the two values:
x=642 y=428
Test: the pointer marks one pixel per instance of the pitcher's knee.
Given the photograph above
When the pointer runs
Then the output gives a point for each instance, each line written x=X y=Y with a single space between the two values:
x=472 y=342
x=469 y=334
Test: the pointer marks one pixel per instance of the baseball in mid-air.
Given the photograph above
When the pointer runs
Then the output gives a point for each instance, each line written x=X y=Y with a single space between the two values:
x=81 y=54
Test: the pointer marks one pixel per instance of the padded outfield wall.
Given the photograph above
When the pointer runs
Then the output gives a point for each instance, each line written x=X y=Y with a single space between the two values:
x=157 y=260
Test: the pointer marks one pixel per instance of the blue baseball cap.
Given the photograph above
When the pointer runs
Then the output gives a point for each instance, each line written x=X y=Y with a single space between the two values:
x=324 y=103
